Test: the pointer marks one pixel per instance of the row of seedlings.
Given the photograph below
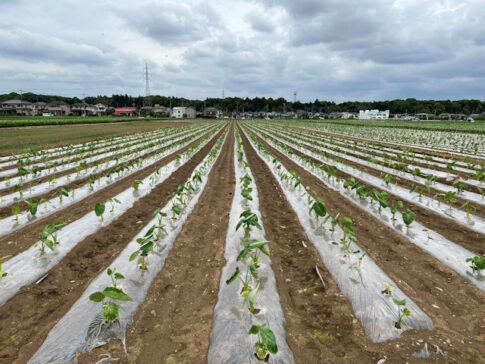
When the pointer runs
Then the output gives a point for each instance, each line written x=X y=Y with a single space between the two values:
x=106 y=308
x=40 y=208
x=248 y=318
x=30 y=265
x=467 y=264
x=383 y=309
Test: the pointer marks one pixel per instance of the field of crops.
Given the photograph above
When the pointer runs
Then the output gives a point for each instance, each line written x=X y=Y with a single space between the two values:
x=245 y=241
x=16 y=121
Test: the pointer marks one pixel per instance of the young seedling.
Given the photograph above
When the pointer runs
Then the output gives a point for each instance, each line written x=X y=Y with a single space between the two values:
x=401 y=312
x=112 y=202
x=16 y=212
x=346 y=223
x=136 y=184
x=478 y=263
x=19 y=188
x=49 y=231
x=109 y=309
x=468 y=208
x=115 y=276
x=387 y=289
x=408 y=217
x=1 y=261
x=146 y=246
x=99 y=210
x=396 y=205
x=318 y=207
x=266 y=343
x=32 y=205
x=427 y=233
x=62 y=192
x=248 y=219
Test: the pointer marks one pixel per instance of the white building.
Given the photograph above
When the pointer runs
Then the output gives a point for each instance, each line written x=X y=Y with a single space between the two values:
x=373 y=115
x=183 y=112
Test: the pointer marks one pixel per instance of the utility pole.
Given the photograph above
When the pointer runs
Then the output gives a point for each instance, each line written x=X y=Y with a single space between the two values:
x=223 y=94
x=294 y=96
x=147 y=100
x=21 y=91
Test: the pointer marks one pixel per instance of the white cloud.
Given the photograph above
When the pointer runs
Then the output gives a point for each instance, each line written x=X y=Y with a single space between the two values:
x=358 y=49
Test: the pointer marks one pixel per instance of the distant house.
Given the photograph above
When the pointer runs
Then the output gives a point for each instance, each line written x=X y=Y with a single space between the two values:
x=17 y=107
x=373 y=115
x=470 y=119
x=183 y=112
x=83 y=109
x=422 y=116
x=125 y=111
x=58 y=108
x=100 y=109
x=161 y=110
x=40 y=108
x=212 y=113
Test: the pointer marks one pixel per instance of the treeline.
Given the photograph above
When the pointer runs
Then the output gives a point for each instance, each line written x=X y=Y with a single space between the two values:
x=231 y=104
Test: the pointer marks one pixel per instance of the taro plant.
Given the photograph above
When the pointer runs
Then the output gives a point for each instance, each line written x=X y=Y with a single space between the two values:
x=112 y=202
x=477 y=263
x=110 y=309
x=146 y=246
x=16 y=212
x=19 y=187
x=99 y=209
x=460 y=186
x=401 y=312
x=160 y=228
x=137 y=184
x=346 y=223
x=248 y=220
x=266 y=343
x=32 y=205
x=387 y=289
x=408 y=217
x=62 y=192
x=468 y=208
x=48 y=236
x=1 y=261
x=396 y=205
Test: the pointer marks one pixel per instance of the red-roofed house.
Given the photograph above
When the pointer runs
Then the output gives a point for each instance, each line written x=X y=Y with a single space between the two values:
x=125 y=111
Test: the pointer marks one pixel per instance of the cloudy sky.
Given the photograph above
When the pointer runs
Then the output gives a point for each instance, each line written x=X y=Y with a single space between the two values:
x=327 y=49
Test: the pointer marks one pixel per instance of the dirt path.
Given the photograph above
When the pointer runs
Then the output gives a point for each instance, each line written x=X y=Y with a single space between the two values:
x=20 y=240
x=455 y=232
x=456 y=307
x=173 y=324
x=28 y=317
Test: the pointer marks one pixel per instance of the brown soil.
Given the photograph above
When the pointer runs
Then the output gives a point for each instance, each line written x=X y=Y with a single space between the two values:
x=397 y=147
x=7 y=211
x=21 y=239
x=174 y=322
x=29 y=316
x=455 y=232
x=456 y=307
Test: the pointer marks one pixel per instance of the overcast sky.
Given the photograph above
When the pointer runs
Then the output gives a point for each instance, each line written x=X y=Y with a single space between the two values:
x=327 y=49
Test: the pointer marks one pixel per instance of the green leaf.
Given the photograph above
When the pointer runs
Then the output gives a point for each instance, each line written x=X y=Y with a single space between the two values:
x=63 y=192
x=119 y=276
x=254 y=330
x=234 y=276
x=146 y=248
x=408 y=217
x=134 y=255
x=110 y=311
x=110 y=271
x=319 y=208
x=269 y=340
x=99 y=209
x=116 y=294
x=399 y=303
x=97 y=297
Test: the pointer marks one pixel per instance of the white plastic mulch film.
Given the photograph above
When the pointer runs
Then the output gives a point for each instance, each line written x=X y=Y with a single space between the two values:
x=46 y=208
x=361 y=283
x=447 y=252
x=82 y=328
x=27 y=267
x=472 y=222
x=229 y=340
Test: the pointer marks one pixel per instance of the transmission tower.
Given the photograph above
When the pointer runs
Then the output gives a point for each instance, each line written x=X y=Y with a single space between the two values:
x=147 y=100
